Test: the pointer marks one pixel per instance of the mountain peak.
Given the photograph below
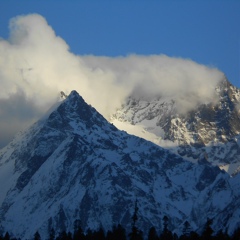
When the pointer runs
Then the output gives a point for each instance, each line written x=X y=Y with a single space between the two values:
x=75 y=105
x=74 y=93
x=76 y=165
x=75 y=109
x=211 y=127
x=74 y=96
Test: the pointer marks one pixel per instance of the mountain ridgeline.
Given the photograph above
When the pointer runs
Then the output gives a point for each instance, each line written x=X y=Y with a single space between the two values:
x=210 y=130
x=73 y=164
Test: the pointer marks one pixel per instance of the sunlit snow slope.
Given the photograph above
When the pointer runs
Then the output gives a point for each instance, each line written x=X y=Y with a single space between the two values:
x=210 y=130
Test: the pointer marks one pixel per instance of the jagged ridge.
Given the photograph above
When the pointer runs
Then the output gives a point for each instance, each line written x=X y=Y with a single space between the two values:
x=73 y=164
x=211 y=129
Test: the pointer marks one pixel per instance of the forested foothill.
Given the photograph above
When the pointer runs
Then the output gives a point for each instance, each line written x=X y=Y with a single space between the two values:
x=119 y=233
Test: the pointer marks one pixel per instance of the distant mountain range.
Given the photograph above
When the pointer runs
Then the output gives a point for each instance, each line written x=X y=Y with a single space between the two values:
x=73 y=164
x=210 y=130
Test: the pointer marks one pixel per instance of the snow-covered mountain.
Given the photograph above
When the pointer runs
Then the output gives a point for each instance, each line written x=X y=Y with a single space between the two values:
x=74 y=164
x=210 y=130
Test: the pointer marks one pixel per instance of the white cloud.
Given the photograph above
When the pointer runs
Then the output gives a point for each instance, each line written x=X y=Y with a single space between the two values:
x=35 y=65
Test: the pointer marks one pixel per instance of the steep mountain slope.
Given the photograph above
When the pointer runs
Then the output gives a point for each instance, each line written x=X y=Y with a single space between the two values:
x=73 y=164
x=212 y=129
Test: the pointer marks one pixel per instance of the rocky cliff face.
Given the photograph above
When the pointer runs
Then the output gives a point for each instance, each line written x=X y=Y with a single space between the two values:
x=73 y=164
x=211 y=129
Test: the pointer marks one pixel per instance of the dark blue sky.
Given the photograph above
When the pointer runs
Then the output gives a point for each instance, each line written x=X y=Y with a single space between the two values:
x=207 y=32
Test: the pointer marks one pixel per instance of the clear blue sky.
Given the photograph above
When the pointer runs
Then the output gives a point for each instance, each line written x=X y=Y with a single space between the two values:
x=207 y=32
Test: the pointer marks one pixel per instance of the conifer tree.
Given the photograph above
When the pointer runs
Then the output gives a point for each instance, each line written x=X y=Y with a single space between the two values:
x=207 y=232
x=78 y=232
x=221 y=236
x=37 y=236
x=89 y=235
x=99 y=234
x=52 y=234
x=166 y=234
x=236 y=234
x=110 y=235
x=69 y=236
x=135 y=234
x=62 y=236
x=1 y=230
x=6 y=236
x=175 y=237
x=187 y=228
x=193 y=236
x=119 y=233
x=152 y=234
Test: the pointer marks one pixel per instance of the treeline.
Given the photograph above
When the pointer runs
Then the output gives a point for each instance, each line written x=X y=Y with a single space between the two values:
x=119 y=233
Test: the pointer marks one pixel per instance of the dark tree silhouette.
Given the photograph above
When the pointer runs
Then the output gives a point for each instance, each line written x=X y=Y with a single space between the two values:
x=175 y=236
x=62 y=236
x=152 y=234
x=166 y=234
x=207 y=232
x=99 y=234
x=117 y=233
x=187 y=228
x=193 y=236
x=6 y=236
x=37 y=236
x=52 y=234
x=135 y=234
x=89 y=235
x=236 y=234
x=186 y=231
x=110 y=235
x=69 y=236
x=221 y=236
x=78 y=232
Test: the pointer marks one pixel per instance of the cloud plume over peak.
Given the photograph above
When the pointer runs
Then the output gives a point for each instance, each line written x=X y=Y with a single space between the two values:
x=35 y=65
